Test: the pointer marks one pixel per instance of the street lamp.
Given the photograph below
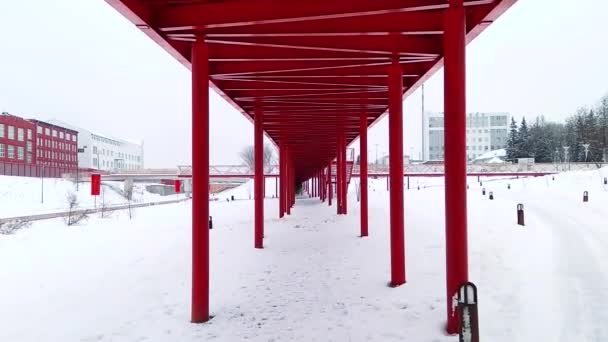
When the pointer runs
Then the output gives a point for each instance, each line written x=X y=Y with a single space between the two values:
x=586 y=147
x=566 y=160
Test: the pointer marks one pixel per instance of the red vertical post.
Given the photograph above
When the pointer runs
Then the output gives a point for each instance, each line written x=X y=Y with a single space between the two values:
x=395 y=133
x=455 y=157
x=363 y=171
x=314 y=186
x=338 y=177
x=330 y=190
x=200 y=181
x=288 y=183
x=344 y=178
x=258 y=182
x=281 y=179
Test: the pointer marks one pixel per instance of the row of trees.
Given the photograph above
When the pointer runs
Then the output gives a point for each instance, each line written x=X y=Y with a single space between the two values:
x=545 y=141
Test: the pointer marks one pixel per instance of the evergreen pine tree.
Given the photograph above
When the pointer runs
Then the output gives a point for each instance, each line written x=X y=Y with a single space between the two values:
x=523 y=140
x=512 y=141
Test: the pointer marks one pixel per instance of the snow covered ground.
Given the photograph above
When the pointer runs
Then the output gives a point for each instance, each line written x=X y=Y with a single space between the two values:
x=22 y=195
x=119 y=280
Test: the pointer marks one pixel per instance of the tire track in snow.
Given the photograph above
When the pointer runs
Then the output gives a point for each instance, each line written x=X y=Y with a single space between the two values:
x=578 y=274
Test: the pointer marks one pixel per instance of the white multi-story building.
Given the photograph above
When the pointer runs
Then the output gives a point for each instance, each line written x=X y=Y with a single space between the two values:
x=101 y=152
x=485 y=132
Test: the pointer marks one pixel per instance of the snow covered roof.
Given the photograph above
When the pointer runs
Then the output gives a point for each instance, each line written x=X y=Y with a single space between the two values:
x=502 y=153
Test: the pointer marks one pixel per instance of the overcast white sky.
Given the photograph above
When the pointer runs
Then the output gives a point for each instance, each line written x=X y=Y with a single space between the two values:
x=81 y=62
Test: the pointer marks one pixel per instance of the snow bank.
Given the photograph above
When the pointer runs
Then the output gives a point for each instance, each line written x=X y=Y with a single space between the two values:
x=23 y=195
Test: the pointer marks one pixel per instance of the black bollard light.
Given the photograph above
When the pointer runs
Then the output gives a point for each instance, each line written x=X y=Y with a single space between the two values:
x=491 y=195
x=210 y=222
x=468 y=312
x=509 y=186
x=605 y=180
x=480 y=183
x=552 y=177
x=520 y=214
x=585 y=196
x=483 y=191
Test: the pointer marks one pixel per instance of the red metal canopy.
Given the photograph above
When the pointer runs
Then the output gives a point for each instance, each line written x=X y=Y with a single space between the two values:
x=310 y=66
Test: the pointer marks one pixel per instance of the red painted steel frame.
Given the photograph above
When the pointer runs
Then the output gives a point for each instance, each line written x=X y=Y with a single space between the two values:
x=363 y=171
x=395 y=134
x=455 y=158
x=258 y=143
x=200 y=182
x=313 y=66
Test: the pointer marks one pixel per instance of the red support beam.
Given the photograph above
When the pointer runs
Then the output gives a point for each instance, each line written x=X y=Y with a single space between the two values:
x=200 y=181
x=330 y=191
x=259 y=178
x=455 y=157
x=395 y=133
x=344 y=177
x=281 y=194
x=288 y=184
x=338 y=177
x=363 y=172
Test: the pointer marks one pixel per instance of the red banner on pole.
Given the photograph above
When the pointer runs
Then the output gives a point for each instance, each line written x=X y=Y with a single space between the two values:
x=178 y=185
x=95 y=184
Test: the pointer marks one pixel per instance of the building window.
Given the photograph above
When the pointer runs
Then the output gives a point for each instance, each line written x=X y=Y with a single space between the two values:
x=67 y=136
x=54 y=133
x=11 y=132
x=60 y=135
x=47 y=131
x=1 y=130
x=11 y=152
x=39 y=129
x=29 y=146
x=74 y=138
x=28 y=158
x=1 y=150
x=29 y=134
x=20 y=136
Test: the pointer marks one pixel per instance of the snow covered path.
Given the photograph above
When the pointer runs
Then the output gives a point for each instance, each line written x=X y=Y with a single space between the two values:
x=316 y=280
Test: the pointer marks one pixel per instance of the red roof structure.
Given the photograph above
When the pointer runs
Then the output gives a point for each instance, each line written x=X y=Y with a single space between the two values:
x=315 y=74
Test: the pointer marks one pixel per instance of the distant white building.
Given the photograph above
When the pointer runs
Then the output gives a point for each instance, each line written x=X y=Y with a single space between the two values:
x=102 y=152
x=485 y=132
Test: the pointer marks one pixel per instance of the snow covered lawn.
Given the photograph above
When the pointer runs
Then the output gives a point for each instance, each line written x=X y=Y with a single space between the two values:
x=316 y=280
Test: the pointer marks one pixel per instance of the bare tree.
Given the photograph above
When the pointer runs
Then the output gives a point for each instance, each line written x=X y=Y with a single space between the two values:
x=74 y=216
x=248 y=156
x=8 y=228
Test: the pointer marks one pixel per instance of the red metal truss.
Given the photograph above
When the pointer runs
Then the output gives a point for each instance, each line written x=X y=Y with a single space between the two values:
x=313 y=76
x=312 y=66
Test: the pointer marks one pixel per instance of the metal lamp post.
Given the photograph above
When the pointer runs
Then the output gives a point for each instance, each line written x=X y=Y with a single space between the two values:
x=586 y=147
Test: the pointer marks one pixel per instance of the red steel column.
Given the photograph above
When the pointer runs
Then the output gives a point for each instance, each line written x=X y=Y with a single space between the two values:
x=288 y=184
x=363 y=171
x=338 y=177
x=344 y=178
x=330 y=192
x=395 y=134
x=455 y=157
x=200 y=181
x=281 y=179
x=258 y=182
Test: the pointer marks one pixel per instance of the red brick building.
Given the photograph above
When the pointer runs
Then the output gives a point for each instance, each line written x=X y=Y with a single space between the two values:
x=17 y=143
x=56 y=146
